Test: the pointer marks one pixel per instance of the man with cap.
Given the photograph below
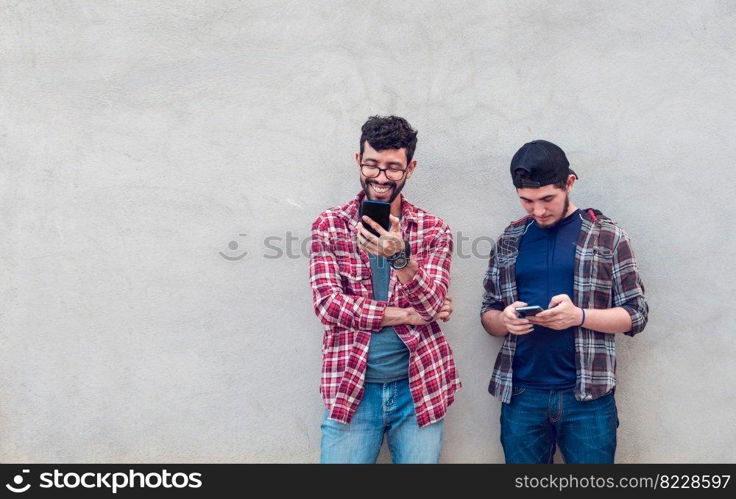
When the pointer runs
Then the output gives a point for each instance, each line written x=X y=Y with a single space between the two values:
x=555 y=373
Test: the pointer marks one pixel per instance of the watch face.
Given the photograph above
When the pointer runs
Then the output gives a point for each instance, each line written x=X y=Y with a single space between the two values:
x=399 y=263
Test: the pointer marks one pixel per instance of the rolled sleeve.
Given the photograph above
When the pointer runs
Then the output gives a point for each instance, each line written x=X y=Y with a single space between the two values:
x=492 y=299
x=370 y=314
x=427 y=289
x=628 y=288
x=331 y=304
x=639 y=317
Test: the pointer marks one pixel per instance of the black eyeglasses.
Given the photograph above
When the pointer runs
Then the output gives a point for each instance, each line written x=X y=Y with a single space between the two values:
x=372 y=171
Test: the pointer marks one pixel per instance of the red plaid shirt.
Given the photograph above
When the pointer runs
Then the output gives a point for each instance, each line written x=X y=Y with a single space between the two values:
x=340 y=275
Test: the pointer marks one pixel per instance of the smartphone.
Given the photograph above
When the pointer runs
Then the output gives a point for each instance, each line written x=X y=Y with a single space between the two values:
x=526 y=311
x=378 y=211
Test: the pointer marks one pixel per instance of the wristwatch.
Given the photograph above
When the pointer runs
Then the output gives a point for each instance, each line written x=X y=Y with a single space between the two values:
x=401 y=259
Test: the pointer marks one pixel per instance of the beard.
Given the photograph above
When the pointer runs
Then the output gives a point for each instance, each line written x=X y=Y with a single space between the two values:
x=395 y=188
x=565 y=207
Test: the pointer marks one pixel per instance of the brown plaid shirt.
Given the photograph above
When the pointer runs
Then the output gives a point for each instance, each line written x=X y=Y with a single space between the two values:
x=606 y=276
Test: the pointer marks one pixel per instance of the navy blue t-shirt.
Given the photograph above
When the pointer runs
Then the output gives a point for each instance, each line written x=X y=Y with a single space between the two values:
x=545 y=267
x=388 y=357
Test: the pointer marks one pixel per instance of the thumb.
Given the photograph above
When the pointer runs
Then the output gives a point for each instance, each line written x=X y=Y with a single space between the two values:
x=557 y=299
x=394 y=223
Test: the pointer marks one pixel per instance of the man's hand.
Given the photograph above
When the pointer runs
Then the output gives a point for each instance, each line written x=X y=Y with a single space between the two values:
x=414 y=319
x=561 y=314
x=388 y=243
x=446 y=310
x=515 y=324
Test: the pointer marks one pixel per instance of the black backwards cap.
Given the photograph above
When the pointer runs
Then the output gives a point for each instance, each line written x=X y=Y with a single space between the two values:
x=539 y=163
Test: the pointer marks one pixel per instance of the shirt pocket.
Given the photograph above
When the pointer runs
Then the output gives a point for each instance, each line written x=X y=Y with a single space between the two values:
x=505 y=261
x=507 y=256
x=505 y=274
x=602 y=276
x=352 y=277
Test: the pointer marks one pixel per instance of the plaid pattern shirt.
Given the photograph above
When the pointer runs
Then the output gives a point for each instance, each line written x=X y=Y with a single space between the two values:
x=340 y=275
x=606 y=276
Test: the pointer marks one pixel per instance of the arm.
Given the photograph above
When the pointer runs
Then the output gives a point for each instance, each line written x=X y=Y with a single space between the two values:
x=425 y=285
x=331 y=304
x=492 y=307
x=562 y=314
x=395 y=316
x=630 y=310
x=628 y=289
x=492 y=322
x=612 y=320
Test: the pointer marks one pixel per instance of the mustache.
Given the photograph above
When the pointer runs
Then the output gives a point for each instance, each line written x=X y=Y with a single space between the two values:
x=390 y=184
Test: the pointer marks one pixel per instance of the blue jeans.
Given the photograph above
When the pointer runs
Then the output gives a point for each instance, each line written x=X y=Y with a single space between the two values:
x=535 y=421
x=385 y=409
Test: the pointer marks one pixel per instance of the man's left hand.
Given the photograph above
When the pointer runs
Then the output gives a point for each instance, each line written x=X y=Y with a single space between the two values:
x=561 y=314
x=387 y=243
x=446 y=310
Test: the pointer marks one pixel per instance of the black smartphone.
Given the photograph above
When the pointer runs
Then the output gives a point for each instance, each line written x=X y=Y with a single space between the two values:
x=526 y=311
x=378 y=211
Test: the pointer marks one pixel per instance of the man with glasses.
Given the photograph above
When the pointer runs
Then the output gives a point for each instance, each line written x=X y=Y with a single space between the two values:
x=555 y=373
x=387 y=368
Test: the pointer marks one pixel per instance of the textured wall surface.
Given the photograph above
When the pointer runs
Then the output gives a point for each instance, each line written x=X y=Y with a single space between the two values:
x=161 y=163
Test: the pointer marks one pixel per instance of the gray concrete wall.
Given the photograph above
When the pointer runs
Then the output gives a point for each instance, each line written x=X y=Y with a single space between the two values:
x=141 y=141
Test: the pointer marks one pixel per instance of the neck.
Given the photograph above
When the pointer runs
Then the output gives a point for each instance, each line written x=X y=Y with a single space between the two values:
x=570 y=210
x=396 y=206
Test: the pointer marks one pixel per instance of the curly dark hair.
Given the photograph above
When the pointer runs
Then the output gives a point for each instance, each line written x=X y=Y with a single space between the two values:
x=389 y=132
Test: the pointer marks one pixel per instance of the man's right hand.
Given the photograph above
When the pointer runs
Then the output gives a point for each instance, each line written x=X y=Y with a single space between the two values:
x=515 y=324
x=413 y=318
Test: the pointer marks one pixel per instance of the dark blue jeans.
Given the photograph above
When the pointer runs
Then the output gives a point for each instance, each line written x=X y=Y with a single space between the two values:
x=535 y=421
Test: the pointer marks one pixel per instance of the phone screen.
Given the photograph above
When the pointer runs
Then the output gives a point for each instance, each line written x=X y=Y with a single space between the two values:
x=527 y=311
x=378 y=211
